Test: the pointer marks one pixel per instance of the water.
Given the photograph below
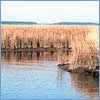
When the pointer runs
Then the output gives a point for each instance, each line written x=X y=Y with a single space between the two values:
x=36 y=76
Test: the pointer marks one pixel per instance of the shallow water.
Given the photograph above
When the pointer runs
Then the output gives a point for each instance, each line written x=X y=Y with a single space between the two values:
x=36 y=76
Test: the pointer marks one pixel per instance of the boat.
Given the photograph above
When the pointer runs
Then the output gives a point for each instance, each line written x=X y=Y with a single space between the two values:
x=65 y=63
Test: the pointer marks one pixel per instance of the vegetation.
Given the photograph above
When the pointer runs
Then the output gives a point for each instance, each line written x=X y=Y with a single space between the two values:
x=83 y=39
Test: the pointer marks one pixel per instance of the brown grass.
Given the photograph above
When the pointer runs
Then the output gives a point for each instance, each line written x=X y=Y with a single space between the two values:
x=82 y=38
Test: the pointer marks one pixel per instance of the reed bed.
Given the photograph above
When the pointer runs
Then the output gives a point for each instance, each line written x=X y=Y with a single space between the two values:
x=83 y=39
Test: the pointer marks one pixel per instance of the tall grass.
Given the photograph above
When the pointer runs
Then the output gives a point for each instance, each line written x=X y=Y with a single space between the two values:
x=82 y=38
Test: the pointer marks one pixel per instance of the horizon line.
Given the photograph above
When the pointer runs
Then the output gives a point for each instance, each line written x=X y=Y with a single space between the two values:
x=55 y=23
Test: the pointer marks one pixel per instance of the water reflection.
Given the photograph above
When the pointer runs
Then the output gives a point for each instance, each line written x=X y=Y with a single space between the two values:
x=84 y=86
x=87 y=85
x=59 y=73
x=29 y=56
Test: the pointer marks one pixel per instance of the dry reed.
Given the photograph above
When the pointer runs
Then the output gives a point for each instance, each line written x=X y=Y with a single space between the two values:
x=82 y=38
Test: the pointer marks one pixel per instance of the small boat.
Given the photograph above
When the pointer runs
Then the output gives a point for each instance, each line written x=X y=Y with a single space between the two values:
x=65 y=63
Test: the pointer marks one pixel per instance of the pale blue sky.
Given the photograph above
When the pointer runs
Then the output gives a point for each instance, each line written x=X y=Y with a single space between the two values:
x=50 y=11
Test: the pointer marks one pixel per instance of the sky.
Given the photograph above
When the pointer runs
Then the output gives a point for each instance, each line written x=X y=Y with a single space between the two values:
x=50 y=11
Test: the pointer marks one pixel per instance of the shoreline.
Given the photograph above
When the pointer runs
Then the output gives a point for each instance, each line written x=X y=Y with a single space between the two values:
x=82 y=70
x=39 y=49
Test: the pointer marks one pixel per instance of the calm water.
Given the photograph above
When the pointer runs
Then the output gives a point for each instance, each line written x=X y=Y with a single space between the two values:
x=36 y=76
